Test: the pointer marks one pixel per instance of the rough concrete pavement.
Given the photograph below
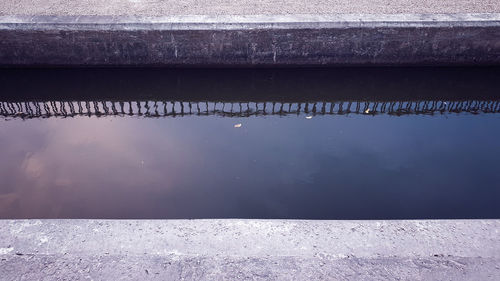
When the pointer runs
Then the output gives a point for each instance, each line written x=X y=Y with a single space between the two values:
x=249 y=249
x=243 y=7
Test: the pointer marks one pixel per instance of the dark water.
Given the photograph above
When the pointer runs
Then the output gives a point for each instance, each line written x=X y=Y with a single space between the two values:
x=310 y=144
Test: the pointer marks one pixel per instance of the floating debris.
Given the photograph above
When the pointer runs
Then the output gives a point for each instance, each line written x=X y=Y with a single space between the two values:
x=309 y=117
x=237 y=125
x=367 y=111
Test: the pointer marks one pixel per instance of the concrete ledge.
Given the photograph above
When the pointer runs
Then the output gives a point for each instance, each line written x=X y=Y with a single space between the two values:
x=246 y=22
x=252 y=40
x=256 y=249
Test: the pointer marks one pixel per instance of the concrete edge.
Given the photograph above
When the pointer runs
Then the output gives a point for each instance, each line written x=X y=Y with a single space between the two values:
x=249 y=41
x=236 y=249
x=254 y=238
x=243 y=22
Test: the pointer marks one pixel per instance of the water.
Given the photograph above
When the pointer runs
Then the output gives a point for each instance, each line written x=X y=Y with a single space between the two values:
x=300 y=144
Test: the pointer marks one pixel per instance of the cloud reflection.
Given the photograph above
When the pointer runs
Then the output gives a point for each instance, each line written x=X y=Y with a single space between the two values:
x=272 y=167
x=77 y=162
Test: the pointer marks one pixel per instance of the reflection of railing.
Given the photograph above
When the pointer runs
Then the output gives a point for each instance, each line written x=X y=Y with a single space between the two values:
x=42 y=109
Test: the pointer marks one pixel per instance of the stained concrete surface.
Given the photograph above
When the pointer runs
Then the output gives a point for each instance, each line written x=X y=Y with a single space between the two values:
x=249 y=249
x=250 y=41
x=248 y=33
x=243 y=7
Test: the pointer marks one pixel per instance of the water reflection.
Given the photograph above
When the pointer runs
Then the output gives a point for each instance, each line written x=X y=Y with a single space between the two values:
x=288 y=167
x=250 y=85
x=35 y=109
x=427 y=163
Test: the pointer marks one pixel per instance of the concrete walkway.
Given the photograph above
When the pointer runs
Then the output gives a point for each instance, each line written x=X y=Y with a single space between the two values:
x=249 y=249
x=243 y=7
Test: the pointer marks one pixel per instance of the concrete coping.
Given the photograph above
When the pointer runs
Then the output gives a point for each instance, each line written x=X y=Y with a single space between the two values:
x=244 y=22
x=249 y=237
x=236 y=249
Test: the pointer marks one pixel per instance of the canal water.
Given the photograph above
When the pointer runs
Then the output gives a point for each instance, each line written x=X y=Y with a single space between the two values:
x=375 y=143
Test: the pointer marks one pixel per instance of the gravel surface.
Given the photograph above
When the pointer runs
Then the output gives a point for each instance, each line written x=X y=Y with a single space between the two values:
x=243 y=7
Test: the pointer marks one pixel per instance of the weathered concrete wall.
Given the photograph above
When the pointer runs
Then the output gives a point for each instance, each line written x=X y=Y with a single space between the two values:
x=249 y=249
x=465 y=39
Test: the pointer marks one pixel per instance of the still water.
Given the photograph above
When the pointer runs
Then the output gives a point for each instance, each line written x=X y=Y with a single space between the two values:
x=351 y=144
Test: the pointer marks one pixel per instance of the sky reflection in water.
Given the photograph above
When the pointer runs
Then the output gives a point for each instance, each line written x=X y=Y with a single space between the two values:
x=327 y=167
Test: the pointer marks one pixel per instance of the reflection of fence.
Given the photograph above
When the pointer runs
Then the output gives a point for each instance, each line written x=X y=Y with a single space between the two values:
x=42 y=109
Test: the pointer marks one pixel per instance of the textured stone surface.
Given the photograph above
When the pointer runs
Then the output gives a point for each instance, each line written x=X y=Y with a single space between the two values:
x=253 y=249
x=251 y=41
x=242 y=7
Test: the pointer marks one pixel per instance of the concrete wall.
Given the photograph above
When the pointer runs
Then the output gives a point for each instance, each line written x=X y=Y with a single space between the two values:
x=464 y=39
